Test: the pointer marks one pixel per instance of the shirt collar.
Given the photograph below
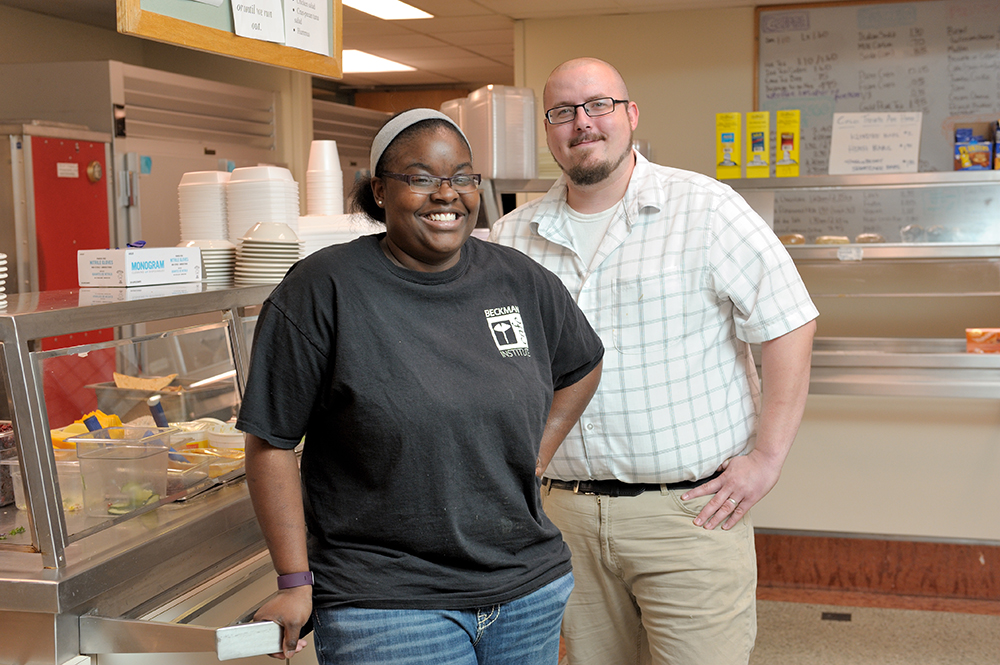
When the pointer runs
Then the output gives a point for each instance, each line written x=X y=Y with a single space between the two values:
x=551 y=225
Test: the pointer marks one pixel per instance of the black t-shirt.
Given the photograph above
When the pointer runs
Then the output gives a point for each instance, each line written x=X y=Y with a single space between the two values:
x=423 y=397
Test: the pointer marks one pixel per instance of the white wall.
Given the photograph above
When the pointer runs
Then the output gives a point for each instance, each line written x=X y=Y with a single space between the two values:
x=899 y=467
x=681 y=68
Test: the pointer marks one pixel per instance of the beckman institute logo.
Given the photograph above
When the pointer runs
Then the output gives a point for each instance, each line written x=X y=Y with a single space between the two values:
x=508 y=331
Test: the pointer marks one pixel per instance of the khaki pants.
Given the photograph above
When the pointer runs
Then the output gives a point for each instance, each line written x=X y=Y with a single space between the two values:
x=651 y=587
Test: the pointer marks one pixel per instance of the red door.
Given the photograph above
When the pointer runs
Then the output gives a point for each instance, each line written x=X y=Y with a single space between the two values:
x=71 y=212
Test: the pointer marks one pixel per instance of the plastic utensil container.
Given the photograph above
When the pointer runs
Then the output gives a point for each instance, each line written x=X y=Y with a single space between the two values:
x=123 y=468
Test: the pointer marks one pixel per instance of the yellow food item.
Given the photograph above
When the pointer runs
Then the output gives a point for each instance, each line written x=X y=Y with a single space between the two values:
x=76 y=428
x=792 y=239
x=833 y=240
x=59 y=436
x=152 y=383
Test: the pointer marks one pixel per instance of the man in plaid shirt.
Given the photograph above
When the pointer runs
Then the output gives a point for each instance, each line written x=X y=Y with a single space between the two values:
x=679 y=276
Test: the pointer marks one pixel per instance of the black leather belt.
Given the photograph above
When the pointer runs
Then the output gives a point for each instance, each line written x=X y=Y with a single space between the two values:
x=618 y=488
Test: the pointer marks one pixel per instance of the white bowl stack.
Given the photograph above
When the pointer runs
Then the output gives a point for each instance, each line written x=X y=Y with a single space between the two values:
x=261 y=194
x=218 y=259
x=266 y=253
x=324 y=180
x=201 y=199
x=3 y=281
x=319 y=231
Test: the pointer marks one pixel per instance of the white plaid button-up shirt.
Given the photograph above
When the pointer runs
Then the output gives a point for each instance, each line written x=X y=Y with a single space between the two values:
x=687 y=276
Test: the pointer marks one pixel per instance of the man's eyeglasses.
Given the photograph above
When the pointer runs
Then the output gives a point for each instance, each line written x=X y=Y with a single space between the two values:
x=430 y=184
x=558 y=115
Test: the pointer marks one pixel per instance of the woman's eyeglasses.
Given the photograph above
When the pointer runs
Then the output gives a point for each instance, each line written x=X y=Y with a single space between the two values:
x=430 y=184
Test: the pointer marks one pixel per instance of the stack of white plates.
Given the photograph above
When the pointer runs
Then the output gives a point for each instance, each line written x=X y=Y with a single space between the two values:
x=3 y=281
x=324 y=180
x=319 y=231
x=201 y=197
x=266 y=253
x=218 y=259
x=261 y=194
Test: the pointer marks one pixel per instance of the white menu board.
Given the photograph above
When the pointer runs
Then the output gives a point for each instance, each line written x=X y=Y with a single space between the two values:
x=940 y=58
x=874 y=143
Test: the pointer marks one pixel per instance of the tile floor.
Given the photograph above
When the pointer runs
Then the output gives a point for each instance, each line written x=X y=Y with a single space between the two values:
x=791 y=633
x=831 y=628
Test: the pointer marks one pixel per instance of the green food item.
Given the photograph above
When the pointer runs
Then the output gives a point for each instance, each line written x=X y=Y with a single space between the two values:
x=12 y=532
x=135 y=496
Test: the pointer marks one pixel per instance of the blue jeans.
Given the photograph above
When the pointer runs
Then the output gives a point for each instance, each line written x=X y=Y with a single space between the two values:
x=522 y=632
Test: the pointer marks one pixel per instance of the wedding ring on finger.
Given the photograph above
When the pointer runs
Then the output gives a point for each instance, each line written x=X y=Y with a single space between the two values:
x=734 y=501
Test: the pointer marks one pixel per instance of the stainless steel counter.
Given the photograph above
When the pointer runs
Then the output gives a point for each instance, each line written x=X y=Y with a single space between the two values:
x=123 y=568
x=911 y=367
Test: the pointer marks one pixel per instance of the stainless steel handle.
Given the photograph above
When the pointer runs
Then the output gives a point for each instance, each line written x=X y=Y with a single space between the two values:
x=99 y=635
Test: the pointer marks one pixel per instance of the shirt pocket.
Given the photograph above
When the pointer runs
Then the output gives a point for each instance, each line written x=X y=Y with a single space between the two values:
x=644 y=309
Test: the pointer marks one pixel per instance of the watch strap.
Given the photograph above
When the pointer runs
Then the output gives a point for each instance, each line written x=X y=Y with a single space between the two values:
x=295 y=579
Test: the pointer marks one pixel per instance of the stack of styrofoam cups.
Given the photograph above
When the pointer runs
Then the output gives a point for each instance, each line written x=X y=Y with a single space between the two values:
x=261 y=194
x=324 y=180
x=201 y=199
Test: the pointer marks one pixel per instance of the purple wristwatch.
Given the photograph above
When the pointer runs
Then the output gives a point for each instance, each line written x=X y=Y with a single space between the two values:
x=295 y=579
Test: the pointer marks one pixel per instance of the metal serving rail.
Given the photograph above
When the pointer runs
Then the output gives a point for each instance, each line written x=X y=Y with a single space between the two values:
x=60 y=596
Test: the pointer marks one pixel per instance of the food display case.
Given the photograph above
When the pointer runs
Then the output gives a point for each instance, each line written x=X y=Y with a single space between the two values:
x=893 y=314
x=896 y=406
x=169 y=572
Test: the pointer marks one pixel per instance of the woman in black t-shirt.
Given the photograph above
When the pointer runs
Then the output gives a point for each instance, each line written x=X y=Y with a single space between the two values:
x=433 y=376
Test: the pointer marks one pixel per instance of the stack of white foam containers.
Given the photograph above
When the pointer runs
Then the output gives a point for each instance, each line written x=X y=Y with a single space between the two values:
x=499 y=121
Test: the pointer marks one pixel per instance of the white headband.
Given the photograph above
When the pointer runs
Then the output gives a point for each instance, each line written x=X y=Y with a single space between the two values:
x=394 y=127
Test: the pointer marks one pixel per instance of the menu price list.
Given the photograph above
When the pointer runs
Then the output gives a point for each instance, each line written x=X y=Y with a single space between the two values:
x=939 y=58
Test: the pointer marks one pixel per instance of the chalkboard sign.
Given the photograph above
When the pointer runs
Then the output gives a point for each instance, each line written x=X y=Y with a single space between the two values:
x=938 y=57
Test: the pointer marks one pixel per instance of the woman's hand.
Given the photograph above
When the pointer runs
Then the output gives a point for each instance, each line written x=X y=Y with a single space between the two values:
x=290 y=609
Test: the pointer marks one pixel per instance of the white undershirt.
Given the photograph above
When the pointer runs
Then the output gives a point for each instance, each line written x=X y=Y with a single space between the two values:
x=588 y=230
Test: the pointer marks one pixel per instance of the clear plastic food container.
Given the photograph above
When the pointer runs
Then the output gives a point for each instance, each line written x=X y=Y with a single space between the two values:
x=123 y=468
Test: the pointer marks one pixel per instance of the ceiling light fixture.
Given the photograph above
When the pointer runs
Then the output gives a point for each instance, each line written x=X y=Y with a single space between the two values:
x=358 y=62
x=389 y=10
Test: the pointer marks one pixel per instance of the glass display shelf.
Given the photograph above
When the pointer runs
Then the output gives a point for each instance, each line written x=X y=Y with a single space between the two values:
x=62 y=353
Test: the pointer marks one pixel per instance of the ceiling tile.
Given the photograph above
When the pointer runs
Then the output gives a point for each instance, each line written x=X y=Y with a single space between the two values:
x=406 y=40
x=482 y=37
x=493 y=50
x=449 y=24
x=522 y=9
x=420 y=57
x=442 y=8
x=469 y=42
x=375 y=28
